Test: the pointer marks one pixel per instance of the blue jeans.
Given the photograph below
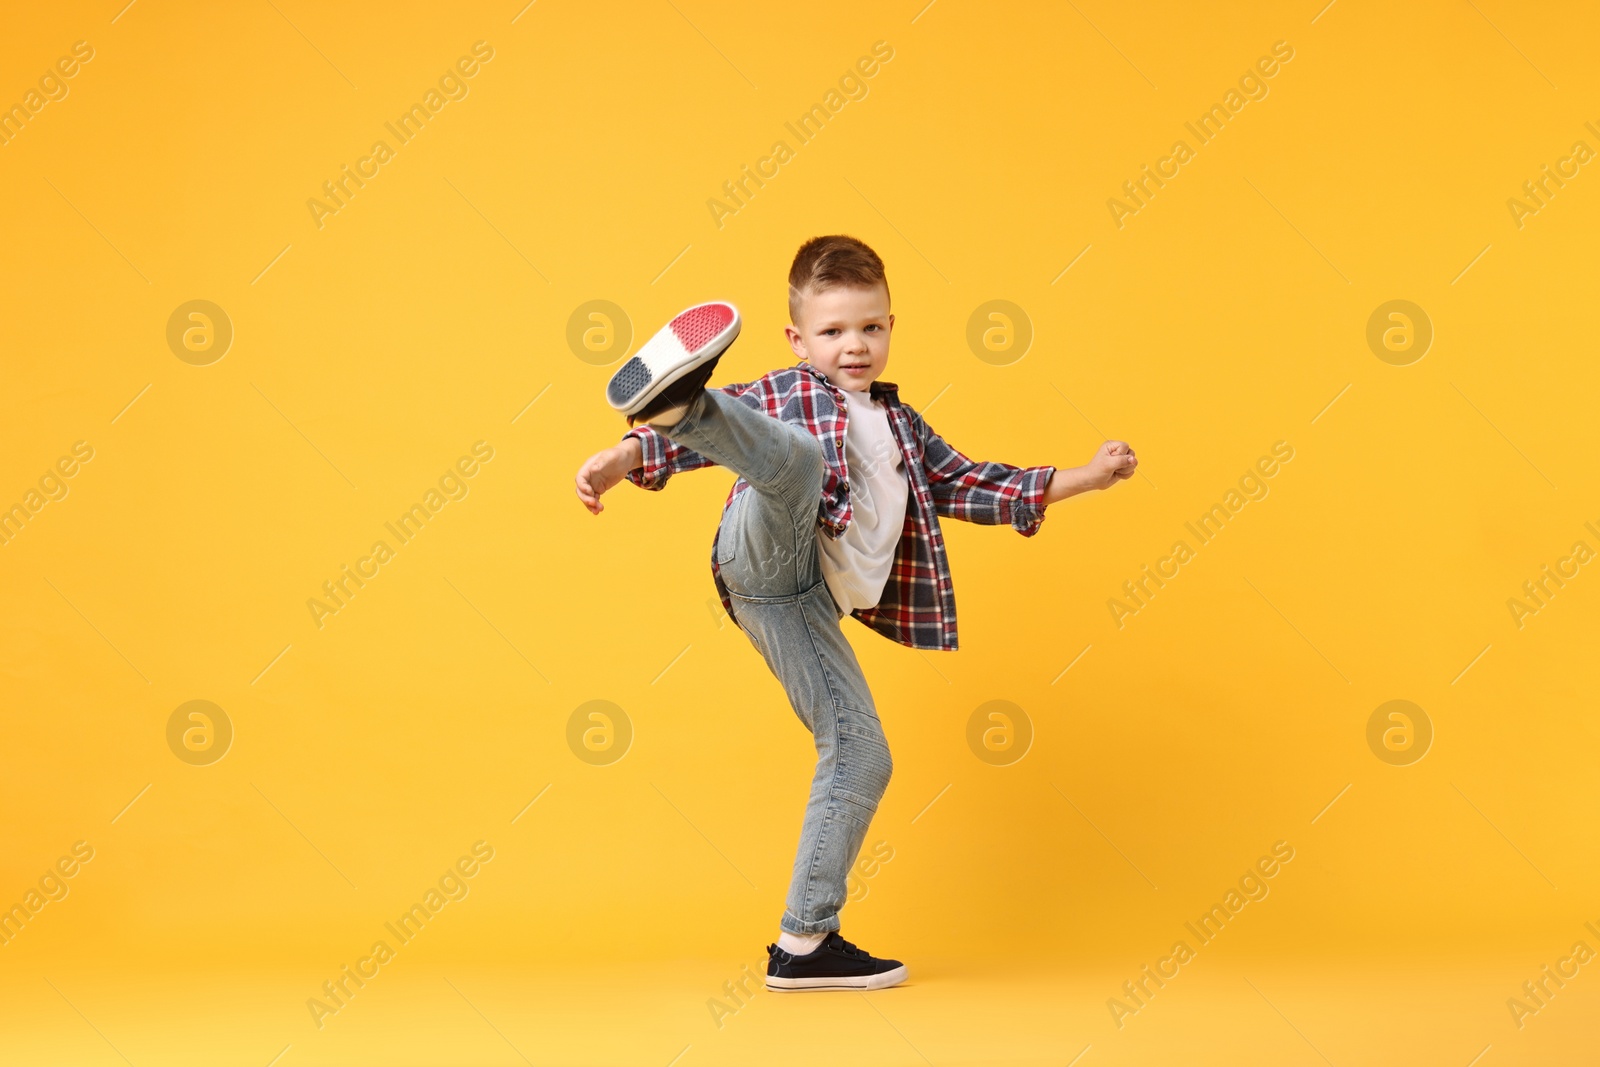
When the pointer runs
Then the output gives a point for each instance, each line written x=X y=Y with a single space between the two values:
x=768 y=558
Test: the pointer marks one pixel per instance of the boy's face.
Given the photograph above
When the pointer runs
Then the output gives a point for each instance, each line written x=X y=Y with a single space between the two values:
x=844 y=333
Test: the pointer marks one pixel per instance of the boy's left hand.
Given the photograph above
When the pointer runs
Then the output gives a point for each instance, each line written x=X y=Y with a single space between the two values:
x=1115 y=462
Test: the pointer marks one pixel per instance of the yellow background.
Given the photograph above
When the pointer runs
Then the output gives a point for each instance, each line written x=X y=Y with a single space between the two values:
x=427 y=314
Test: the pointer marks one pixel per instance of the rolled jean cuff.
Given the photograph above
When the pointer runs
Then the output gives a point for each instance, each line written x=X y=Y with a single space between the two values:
x=792 y=925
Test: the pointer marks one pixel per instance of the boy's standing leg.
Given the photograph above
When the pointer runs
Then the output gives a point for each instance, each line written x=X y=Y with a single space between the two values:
x=767 y=557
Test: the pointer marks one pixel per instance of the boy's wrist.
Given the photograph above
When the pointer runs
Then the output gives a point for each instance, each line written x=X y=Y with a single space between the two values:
x=1065 y=482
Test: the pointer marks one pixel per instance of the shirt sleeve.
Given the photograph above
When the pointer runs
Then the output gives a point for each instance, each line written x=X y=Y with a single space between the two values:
x=986 y=493
x=664 y=457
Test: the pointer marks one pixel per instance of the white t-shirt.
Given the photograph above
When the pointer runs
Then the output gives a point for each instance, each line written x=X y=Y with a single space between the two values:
x=856 y=565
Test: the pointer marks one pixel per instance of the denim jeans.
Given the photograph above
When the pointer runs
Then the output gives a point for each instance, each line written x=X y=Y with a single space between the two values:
x=767 y=556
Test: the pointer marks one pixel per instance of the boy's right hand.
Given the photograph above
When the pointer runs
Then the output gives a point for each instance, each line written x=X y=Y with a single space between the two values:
x=605 y=469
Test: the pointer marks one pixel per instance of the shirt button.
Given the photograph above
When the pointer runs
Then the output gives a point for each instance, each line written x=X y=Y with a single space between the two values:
x=838 y=443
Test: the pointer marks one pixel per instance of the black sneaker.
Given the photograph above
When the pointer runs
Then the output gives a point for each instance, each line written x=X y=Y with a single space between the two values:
x=835 y=964
x=674 y=364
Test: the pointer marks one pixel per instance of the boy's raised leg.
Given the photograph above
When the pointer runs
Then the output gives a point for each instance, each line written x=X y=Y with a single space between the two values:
x=768 y=545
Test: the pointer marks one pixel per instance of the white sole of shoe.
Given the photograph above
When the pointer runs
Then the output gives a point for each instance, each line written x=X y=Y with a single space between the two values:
x=866 y=981
x=694 y=336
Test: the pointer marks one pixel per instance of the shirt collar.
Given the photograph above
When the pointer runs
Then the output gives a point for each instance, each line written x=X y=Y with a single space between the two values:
x=878 y=389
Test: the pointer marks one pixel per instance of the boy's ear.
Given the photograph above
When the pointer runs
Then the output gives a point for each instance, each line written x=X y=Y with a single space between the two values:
x=795 y=341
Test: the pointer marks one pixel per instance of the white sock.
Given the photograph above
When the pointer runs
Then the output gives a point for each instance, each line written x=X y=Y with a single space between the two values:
x=800 y=944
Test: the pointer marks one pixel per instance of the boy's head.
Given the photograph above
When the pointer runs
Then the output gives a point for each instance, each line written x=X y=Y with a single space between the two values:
x=839 y=310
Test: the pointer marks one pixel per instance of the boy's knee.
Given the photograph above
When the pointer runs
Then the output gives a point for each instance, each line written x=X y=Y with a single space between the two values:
x=799 y=479
x=806 y=461
x=865 y=763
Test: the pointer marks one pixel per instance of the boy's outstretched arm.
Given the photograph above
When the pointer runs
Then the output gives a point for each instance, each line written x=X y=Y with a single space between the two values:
x=605 y=469
x=643 y=457
x=991 y=493
x=1113 y=463
x=647 y=458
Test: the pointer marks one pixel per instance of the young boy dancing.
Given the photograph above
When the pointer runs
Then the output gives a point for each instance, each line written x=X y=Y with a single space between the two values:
x=835 y=511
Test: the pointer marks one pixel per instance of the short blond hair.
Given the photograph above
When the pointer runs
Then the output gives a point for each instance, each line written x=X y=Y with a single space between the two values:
x=832 y=262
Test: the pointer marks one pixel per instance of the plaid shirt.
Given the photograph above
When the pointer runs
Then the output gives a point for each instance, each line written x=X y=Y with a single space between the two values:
x=918 y=606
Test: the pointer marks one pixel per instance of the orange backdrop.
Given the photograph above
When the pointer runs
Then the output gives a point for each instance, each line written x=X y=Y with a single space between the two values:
x=308 y=313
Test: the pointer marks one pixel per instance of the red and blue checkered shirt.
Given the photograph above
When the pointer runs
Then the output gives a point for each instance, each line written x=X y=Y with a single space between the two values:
x=918 y=606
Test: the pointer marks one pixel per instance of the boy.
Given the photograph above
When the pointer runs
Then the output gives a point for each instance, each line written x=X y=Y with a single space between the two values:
x=836 y=511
